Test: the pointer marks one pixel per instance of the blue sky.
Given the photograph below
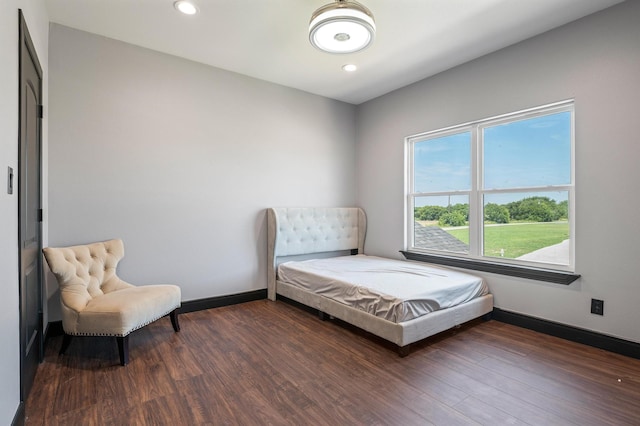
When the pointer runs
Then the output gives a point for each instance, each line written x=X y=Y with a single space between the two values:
x=526 y=153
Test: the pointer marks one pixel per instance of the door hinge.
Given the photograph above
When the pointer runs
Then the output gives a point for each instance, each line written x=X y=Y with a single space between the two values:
x=39 y=215
x=40 y=111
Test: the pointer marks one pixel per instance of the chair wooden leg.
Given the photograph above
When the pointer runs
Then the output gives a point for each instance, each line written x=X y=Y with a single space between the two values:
x=123 y=349
x=66 y=340
x=174 y=320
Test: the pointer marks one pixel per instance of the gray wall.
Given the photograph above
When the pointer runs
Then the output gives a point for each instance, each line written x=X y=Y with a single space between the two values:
x=37 y=20
x=596 y=61
x=180 y=160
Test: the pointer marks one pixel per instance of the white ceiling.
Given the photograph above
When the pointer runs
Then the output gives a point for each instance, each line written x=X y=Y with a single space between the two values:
x=268 y=39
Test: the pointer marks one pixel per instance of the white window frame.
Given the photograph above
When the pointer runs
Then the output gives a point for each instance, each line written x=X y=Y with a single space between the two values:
x=477 y=192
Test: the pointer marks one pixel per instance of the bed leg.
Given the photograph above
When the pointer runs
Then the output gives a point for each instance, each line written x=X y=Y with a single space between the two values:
x=403 y=351
x=322 y=316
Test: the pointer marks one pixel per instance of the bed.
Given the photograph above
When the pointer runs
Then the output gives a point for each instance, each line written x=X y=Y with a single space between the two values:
x=316 y=258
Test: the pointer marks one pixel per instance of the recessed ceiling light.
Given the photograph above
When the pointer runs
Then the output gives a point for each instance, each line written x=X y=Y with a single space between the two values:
x=186 y=7
x=349 y=67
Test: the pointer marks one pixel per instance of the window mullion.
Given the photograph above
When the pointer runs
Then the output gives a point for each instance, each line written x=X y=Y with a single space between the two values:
x=410 y=194
x=475 y=199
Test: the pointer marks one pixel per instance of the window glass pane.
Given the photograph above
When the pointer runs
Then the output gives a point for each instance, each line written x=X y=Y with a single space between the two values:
x=528 y=153
x=527 y=226
x=442 y=223
x=443 y=164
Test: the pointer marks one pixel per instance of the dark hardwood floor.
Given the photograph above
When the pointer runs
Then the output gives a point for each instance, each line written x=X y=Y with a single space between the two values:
x=273 y=363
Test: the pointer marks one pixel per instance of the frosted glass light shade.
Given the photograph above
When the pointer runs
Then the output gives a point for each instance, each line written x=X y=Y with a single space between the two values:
x=342 y=27
x=186 y=7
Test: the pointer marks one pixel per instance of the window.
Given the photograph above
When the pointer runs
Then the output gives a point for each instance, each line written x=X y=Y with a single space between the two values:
x=498 y=190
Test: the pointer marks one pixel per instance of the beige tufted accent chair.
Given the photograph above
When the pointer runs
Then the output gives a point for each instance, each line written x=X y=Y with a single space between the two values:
x=95 y=302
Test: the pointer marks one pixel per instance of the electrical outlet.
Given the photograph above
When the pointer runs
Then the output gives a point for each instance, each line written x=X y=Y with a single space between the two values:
x=597 y=307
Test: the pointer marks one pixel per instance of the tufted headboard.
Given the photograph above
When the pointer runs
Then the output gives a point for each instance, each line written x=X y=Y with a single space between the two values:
x=305 y=230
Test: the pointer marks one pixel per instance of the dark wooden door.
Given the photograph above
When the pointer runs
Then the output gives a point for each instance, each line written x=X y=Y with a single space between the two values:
x=29 y=211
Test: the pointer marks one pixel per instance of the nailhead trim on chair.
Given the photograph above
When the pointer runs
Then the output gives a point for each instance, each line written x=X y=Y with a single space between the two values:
x=120 y=334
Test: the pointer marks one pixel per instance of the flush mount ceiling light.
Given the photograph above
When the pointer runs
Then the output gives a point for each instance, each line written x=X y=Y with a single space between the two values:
x=186 y=7
x=344 y=26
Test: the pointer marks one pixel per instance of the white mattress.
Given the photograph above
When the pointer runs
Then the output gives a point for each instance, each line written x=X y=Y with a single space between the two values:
x=395 y=290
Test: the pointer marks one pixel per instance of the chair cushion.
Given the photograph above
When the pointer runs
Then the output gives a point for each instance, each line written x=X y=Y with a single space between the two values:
x=120 y=312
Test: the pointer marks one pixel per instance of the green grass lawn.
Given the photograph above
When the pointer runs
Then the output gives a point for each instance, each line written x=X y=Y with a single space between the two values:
x=518 y=238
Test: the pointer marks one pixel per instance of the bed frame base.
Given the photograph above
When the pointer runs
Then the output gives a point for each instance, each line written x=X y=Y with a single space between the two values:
x=402 y=334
